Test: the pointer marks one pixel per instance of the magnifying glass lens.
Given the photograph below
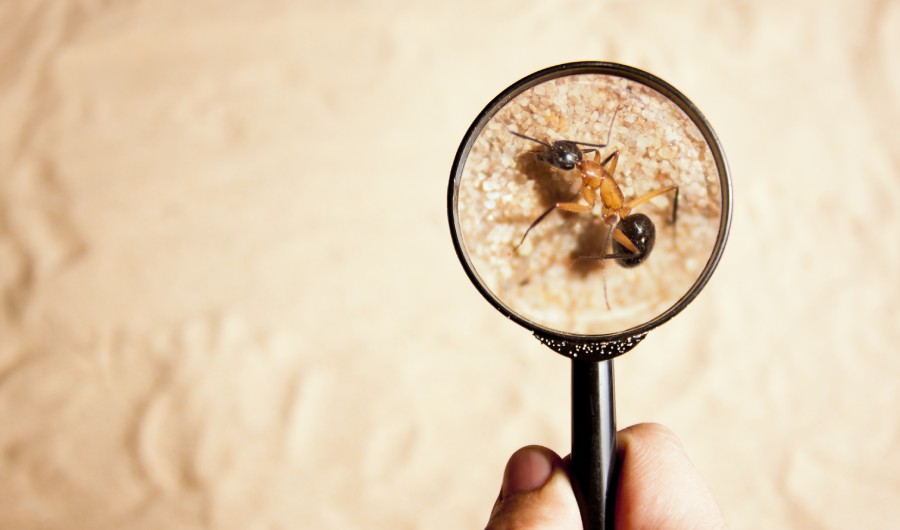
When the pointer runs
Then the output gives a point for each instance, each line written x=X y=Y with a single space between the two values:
x=589 y=202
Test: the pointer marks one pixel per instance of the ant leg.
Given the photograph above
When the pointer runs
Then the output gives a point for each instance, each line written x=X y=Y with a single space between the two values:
x=675 y=206
x=612 y=255
x=613 y=222
x=653 y=194
x=569 y=206
x=619 y=236
x=623 y=240
x=534 y=224
x=575 y=207
x=657 y=193
x=612 y=228
x=614 y=156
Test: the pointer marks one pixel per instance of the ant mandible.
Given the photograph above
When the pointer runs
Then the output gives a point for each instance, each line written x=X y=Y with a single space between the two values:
x=633 y=234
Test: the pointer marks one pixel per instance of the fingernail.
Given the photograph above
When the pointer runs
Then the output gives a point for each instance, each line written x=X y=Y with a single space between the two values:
x=528 y=469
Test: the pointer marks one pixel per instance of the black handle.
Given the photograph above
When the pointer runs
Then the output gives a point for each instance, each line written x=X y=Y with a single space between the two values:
x=593 y=468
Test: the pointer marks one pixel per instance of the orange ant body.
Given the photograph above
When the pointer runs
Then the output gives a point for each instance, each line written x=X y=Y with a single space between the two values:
x=632 y=234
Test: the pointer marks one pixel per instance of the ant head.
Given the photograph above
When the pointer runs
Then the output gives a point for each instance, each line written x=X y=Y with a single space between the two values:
x=562 y=154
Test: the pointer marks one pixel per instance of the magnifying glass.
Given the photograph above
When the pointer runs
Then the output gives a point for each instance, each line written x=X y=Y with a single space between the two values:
x=590 y=202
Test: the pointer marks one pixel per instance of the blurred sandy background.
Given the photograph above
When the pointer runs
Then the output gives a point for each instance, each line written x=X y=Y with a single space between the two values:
x=230 y=301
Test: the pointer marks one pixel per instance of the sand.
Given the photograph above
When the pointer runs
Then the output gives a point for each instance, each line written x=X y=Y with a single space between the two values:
x=230 y=299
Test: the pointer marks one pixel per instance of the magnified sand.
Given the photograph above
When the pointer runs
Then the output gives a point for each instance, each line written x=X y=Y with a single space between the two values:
x=549 y=277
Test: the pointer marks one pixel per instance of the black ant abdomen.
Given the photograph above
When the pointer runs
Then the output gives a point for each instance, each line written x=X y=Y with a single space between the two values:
x=639 y=229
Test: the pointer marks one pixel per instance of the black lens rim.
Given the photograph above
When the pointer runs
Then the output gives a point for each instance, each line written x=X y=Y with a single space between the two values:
x=634 y=334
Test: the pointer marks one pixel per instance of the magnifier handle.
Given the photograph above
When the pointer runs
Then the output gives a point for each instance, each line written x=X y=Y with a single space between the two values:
x=593 y=468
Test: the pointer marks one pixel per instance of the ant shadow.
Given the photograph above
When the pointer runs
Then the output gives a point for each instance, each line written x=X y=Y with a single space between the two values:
x=589 y=243
x=551 y=185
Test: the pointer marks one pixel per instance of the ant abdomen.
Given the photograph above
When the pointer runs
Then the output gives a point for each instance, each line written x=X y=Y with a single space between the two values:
x=639 y=229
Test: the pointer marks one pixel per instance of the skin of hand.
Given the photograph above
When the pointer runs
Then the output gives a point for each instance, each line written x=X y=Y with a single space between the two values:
x=658 y=488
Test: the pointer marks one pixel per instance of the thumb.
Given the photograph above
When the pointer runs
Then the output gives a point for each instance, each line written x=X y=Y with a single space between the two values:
x=659 y=487
x=536 y=493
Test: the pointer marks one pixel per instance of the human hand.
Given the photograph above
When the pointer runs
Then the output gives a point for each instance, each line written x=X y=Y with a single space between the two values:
x=658 y=488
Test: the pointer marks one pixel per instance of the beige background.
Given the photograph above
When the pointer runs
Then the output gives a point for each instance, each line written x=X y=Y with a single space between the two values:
x=229 y=297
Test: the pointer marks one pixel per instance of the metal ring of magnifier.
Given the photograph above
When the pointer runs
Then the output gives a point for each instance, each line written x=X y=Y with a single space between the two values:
x=579 y=346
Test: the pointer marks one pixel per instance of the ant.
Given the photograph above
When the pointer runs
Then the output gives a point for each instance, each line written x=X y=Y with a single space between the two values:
x=633 y=235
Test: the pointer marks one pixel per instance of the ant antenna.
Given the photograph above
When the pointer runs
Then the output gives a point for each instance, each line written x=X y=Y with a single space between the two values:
x=535 y=140
x=588 y=144
x=608 y=132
